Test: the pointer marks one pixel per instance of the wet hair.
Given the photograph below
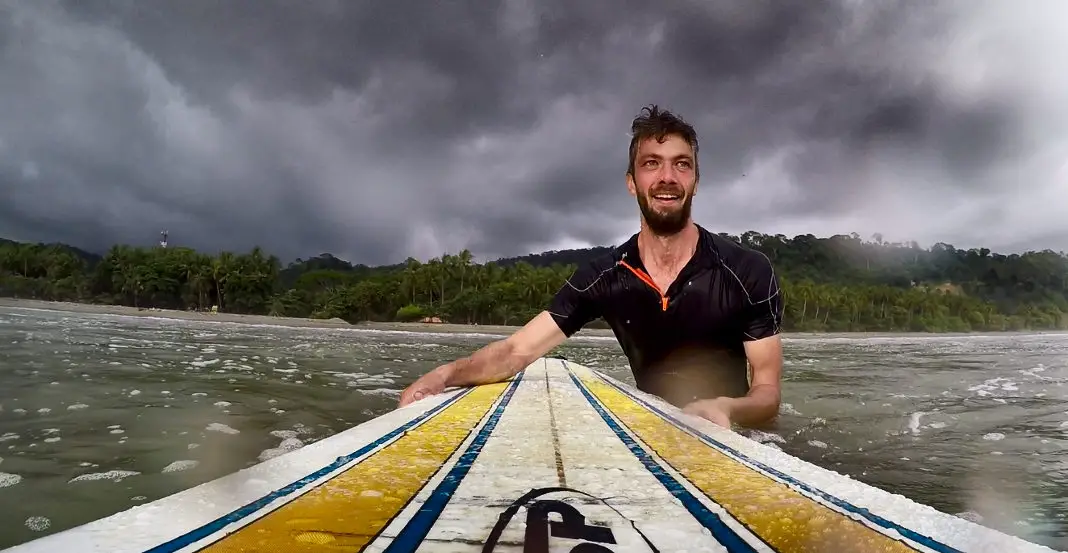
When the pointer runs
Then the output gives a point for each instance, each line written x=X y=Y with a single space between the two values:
x=654 y=122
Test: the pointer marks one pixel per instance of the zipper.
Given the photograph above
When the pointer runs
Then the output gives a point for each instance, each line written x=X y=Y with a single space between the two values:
x=644 y=277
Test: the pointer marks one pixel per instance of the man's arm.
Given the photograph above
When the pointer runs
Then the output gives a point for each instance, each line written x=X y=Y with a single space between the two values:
x=763 y=345
x=493 y=362
x=502 y=359
x=572 y=307
x=761 y=404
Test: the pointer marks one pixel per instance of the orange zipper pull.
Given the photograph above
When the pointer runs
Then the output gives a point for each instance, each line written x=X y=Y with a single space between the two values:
x=644 y=277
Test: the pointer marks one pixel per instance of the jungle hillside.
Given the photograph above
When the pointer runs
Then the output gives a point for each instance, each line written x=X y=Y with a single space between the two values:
x=837 y=283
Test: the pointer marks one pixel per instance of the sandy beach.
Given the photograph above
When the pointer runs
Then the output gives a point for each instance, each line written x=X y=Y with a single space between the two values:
x=99 y=309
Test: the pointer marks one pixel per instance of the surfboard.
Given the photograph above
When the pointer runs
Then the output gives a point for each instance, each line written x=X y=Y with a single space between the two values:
x=559 y=458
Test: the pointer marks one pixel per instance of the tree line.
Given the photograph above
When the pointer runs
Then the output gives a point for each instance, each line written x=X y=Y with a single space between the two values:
x=838 y=283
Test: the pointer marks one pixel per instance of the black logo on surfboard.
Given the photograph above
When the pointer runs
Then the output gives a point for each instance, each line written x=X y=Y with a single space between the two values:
x=569 y=524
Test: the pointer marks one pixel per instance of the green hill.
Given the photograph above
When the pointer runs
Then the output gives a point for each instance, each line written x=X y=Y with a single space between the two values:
x=837 y=283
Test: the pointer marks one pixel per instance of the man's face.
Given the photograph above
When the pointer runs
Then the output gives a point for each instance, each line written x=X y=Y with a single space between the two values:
x=664 y=181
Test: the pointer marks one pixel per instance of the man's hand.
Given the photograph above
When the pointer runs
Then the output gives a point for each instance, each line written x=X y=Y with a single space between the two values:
x=717 y=410
x=431 y=383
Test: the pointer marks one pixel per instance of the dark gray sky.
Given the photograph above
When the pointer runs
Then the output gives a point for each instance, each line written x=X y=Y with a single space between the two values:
x=379 y=130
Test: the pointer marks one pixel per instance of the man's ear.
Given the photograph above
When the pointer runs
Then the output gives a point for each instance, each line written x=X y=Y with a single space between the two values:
x=630 y=185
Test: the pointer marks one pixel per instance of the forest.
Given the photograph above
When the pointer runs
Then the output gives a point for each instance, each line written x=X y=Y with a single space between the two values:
x=835 y=284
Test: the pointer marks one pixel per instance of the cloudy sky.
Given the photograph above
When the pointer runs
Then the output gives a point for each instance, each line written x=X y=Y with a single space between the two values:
x=379 y=130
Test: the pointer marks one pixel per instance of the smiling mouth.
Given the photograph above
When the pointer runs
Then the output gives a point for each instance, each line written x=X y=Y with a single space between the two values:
x=666 y=197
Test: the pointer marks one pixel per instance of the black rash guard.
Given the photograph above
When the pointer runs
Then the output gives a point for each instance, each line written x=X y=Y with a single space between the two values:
x=687 y=343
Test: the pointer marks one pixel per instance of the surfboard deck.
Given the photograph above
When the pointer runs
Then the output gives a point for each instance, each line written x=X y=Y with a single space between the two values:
x=560 y=458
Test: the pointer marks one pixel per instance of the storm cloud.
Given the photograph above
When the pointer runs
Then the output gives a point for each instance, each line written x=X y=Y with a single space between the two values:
x=381 y=130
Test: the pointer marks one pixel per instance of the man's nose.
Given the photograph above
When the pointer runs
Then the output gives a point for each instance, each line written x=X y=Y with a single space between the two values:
x=668 y=174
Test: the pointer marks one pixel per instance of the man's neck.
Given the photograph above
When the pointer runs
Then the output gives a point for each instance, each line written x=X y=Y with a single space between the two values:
x=667 y=252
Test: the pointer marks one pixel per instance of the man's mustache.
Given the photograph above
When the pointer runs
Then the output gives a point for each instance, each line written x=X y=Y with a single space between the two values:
x=677 y=190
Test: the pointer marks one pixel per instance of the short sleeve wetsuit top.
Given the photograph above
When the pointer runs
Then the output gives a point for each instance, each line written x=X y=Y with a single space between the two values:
x=686 y=343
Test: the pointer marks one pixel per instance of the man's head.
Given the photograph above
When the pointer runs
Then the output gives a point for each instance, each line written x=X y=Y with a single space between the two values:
x=663 y=171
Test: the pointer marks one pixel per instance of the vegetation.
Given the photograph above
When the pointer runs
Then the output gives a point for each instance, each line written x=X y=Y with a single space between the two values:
x=841 y=283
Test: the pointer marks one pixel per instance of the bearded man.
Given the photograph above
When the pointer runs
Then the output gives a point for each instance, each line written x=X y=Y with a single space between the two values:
x=697 y=315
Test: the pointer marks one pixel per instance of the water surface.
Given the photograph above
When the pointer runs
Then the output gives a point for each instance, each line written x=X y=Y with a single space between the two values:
x=102 y=412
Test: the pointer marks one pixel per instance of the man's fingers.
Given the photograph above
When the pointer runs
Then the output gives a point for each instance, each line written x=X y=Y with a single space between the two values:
x=411 y=395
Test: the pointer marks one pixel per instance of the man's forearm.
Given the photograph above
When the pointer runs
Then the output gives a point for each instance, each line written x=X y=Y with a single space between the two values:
x=494 y=362
x=759 y=406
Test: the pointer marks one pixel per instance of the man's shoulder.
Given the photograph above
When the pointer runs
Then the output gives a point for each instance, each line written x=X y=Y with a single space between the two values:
x=582 y=296
x=606 y=259
x=750 y=266
x=595 y=266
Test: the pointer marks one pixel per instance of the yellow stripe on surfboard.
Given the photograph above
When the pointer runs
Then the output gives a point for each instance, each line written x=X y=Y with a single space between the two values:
x=783 y=517
x=346 y=512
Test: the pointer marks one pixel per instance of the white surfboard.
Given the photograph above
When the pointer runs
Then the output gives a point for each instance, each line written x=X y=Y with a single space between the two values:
x=560 y=458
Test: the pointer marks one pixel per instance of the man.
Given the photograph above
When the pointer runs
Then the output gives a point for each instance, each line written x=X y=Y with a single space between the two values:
x=697 y=315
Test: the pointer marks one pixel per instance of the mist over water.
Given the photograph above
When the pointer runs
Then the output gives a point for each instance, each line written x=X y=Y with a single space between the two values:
x=102 y=412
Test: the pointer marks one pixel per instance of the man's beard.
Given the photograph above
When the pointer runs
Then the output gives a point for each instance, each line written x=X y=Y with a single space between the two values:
x=665 y=223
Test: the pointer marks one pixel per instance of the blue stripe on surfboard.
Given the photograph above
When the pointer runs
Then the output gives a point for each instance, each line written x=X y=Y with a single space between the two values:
x=245 y=511
x=415 y=531
x=912 y=535
x=720 y=531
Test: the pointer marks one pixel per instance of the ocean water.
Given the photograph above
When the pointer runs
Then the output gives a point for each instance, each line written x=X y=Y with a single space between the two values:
x=100 y=412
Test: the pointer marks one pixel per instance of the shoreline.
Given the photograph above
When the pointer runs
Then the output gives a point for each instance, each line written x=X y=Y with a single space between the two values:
x=239 y=318
x=451 y=328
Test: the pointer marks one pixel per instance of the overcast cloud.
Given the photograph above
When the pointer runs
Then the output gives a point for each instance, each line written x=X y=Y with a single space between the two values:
x=379 y=130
